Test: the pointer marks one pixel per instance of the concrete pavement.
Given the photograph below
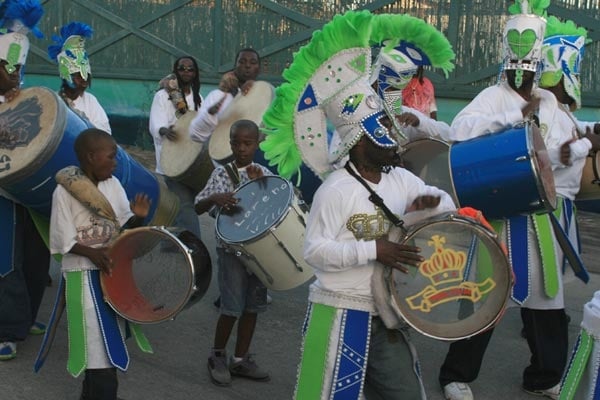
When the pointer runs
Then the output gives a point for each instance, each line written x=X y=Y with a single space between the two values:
x=177 y=369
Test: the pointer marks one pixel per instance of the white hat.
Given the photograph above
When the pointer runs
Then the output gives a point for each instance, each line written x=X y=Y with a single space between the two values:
x=562 y=53
x=69 y=51
x=522 y=37
x=17 y=19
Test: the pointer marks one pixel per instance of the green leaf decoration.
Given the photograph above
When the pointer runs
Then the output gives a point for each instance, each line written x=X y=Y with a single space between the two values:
x=521 y=43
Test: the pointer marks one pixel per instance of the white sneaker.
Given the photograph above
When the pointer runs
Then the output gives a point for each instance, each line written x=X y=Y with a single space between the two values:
x=269 y=299
x=552 y=393
x=458 y=391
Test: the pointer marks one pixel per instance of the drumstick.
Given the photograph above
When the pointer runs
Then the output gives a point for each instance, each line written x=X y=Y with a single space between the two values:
x=578 y=134
x=215 y=108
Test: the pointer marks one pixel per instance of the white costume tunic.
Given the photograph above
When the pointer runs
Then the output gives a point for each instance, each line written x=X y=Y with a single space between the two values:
x=342 y=227
x=71 y=223
x=162 y=114
x=89 y=105
x=496 y=109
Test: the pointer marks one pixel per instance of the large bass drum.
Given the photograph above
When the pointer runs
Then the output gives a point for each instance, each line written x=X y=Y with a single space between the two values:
x=266 y=230
x=462 y=286
x=37 y=133
x=157 y=273
x=250 y=106
x=183 y=159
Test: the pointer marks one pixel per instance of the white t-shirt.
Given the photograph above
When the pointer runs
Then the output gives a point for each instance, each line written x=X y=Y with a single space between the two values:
x=71 y=222
x=89 y=105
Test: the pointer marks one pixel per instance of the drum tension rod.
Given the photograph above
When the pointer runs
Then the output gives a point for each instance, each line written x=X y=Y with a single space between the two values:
x=251 y=257
x=285 y=249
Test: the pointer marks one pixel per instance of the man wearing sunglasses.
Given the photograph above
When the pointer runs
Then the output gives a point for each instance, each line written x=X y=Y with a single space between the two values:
x=178 y=94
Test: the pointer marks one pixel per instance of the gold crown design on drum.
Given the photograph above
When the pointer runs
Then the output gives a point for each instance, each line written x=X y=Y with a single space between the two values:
x=444 y=268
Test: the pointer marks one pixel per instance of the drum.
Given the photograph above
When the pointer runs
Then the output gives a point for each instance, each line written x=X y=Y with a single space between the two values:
x=185 y=160
x=590 y=178
x=157 y=273
x=31 y=155
x=462 y=286
x=266 y=230
x=503 y=173
x=428 y=159
x=251 y=106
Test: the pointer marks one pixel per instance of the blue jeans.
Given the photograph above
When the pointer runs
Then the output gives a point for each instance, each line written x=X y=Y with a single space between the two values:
x=241 y=291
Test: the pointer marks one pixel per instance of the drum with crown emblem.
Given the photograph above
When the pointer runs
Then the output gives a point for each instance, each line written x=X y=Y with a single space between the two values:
x=462 y=286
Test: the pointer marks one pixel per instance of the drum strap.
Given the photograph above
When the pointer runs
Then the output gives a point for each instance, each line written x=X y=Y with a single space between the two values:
x=232 y=172
x=375 y=199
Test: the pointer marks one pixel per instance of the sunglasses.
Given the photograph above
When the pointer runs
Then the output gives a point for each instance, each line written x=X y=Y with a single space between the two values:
x=184 y=68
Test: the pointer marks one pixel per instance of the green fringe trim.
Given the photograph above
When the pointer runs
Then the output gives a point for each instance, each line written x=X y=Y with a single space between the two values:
x=402 y=27
x=537 y=7
x=350 y=30
x=346 y=31
x=555 y=26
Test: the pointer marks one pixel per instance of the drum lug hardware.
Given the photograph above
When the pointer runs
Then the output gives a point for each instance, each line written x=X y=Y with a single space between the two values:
x=239 y=253
x=522 y=158
x=287 y=252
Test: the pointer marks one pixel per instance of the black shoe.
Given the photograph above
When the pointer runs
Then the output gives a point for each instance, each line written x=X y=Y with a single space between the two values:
x=217 y=302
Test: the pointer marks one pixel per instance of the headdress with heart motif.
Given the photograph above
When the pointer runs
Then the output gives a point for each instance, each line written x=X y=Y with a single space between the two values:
x=562 y=52
x=17 y=19
x=522 y=38
x=69 y=51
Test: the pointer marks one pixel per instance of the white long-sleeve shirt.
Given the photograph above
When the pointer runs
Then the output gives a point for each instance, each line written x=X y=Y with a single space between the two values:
x=203 y=125
x=343 y=225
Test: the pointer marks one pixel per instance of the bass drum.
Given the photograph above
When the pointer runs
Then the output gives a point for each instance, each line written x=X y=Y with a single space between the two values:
x=157 y=273
x=37 y=142
x=462 y=286
x=250 y=106
x=185 y=160
x=266 y=230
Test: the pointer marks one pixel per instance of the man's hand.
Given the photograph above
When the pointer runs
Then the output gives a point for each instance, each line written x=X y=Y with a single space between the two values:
x=246 y=87
x=140 y=205
x=101 y=259
x=169 y=133
x=408 y=119
x=565 y=152
x=394 y=254
x=254 y=171
x=229 y=83
x=424 y=202
x=531 y=107
x=225 y=200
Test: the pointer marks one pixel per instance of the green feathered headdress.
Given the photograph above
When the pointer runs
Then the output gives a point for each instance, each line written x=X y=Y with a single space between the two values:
x=328 y=79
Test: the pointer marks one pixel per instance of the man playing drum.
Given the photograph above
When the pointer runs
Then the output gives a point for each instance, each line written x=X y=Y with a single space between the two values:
x=349 y=351
x=76 y=73
x=175 y=98
x=24 y=258
x=243 y=295
x=241 y=79
x=535 y=255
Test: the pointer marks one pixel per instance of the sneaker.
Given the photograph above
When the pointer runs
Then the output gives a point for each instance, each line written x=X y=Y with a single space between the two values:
x=552 y=393
x=269 y=299
x=37 y=328
x=458 y=391
x=217 y=367
x=247 y=368
x=8 y=351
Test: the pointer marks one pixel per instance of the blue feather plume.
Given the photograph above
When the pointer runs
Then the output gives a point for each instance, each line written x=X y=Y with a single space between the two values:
x=72 y=28
x=29 y=12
